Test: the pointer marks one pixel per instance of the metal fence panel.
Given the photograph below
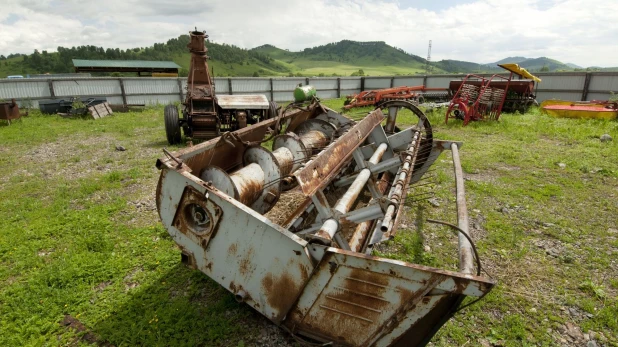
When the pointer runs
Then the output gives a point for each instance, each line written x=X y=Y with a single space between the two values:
x=24 y=90
x=283 y=96
x=250 y=85
x=564 y=82
x=221 y=85
x=152 y=99
x=377 y=83
x=266 y=94
x=598 y=96
x=287 y=84
x=441 y=81
x=324 y=83
x=408 y=81
x=87 y=87
x=542 y=96
x=327 y=94
x=346 y=92
x=604 y=83
x=151 y=86
x=350 y=83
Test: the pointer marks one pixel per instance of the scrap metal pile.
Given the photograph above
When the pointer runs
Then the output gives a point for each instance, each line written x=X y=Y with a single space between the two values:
x=289 y=229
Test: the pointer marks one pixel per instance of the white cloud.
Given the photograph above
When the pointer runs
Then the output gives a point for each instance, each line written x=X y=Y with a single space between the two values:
x=577 y=31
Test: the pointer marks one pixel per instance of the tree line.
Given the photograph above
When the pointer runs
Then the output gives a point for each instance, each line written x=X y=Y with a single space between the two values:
x=61 y=61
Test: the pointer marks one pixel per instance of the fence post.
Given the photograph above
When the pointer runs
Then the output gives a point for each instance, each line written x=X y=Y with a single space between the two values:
x=50 y=83
x=229 y=85
x=124 y=95
x=586 y=86
x=307 y=81
x=392 y=82
x=180 y=88
x=425 y=81
x=362 y=84
x=272 y=91
x=338 y=87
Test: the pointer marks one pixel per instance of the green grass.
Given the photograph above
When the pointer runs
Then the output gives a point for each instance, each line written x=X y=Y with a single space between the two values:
x=80 y=236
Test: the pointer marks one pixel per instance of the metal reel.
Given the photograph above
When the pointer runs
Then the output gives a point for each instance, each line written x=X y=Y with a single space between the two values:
x=393 y=108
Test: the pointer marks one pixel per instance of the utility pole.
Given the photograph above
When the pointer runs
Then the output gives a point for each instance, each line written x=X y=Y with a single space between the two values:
x=428 y=65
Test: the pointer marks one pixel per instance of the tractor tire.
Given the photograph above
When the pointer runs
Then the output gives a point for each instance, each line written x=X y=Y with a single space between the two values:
x=272 y=110
x=172 y=124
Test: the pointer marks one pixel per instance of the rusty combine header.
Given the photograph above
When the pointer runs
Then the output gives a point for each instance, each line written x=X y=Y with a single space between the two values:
x=289 y=230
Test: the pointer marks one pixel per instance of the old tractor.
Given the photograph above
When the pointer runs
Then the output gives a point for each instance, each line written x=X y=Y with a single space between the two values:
x=205 y=114
x=290 y=230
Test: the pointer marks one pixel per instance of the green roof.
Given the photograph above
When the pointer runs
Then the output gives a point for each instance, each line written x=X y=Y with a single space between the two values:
x=136 y=64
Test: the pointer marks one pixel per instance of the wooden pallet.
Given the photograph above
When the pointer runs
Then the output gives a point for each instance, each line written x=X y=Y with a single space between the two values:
x=100 y=110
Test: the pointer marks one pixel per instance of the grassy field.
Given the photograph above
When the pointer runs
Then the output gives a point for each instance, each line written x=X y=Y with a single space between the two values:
x=84 y=259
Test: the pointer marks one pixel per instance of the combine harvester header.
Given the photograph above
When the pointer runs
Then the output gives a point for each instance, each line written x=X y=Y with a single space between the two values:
x=289 y=231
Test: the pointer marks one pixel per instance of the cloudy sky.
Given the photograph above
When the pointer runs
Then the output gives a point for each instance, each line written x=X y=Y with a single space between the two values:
x=583 y=32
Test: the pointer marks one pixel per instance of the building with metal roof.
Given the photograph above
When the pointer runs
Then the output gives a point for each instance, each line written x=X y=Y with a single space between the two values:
x=139 y=66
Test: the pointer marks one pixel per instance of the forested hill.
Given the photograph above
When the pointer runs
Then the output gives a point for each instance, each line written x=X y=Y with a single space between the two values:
x=174 y=49
x=342 y=58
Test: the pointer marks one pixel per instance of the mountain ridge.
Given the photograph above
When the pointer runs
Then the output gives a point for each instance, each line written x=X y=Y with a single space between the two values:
x=343 y=58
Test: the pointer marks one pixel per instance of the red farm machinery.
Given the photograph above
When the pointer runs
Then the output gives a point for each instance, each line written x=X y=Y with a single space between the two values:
x=485 y=98
x=415 y=94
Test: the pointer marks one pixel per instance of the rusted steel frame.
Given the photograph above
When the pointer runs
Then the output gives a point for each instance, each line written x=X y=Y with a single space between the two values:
x=350 y=196
x=375 y=169
x=319 y=173
x=369 y=212
x=390 y=121
x=205 y=150
x=330 y=227
x=359 y=237
x=249 y=181
x=466 y=265
x=400 y=187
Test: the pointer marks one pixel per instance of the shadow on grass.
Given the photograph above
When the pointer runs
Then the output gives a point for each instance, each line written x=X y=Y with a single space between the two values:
x=182 y=307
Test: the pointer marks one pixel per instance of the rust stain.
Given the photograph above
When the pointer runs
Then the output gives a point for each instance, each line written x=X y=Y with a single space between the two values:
x=244 y=266
x=232 y=249
x=280 y=293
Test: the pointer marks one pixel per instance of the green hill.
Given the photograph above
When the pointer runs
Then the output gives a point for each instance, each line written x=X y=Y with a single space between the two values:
x=342 y=58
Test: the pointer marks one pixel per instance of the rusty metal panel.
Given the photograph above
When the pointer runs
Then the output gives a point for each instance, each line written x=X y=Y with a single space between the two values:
x=79 y=87
x=151 y=86
x=363 y=300
x=250 y=85
x=377 y=83
x=321 y=170
x=408 y=81
x=261 y=263
x=24 y=89
x=243 y=102
x=605 y=83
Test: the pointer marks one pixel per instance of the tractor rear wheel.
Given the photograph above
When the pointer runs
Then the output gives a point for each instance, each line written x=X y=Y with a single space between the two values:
x=272 y=110
x=172 y=124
